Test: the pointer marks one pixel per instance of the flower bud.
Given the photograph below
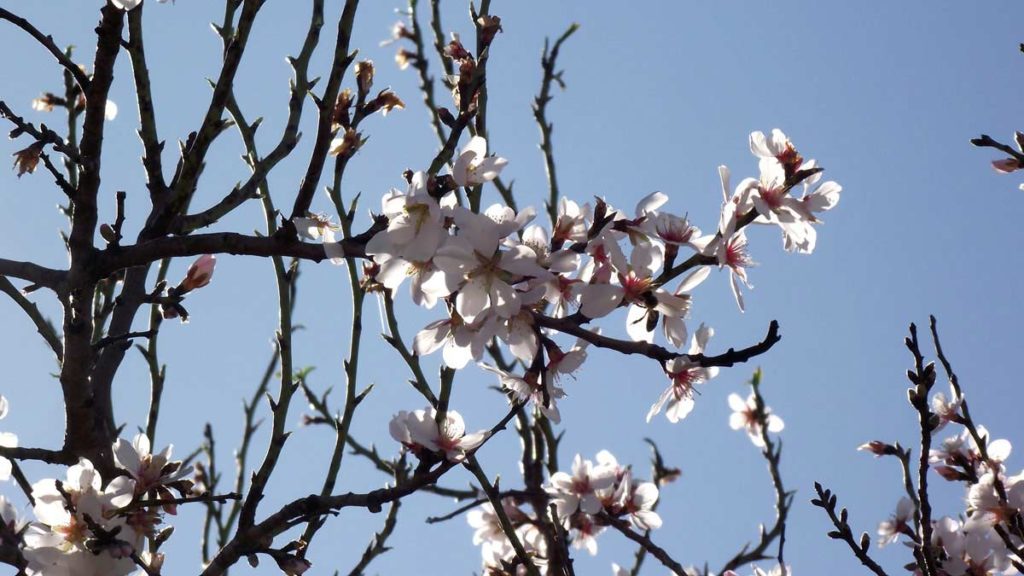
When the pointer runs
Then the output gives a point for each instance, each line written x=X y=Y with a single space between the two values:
x=878 y=448
x=1006 y=165
x=292 y=565
x=199 y=273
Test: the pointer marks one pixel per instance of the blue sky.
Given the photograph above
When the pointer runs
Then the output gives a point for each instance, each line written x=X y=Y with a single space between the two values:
x=884 y=95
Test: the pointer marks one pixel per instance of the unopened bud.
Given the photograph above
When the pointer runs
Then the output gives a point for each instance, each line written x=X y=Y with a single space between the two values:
x=878 y=448
x=1006 y=165
x=199 y=273
x=292 y=565
x=108 y=234
x=949 y=473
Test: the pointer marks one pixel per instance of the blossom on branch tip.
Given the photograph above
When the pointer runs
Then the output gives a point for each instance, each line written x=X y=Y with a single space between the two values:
x=745 y=415
x=199 y=273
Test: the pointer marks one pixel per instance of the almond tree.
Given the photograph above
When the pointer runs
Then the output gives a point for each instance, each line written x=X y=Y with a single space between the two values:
x=522 y=299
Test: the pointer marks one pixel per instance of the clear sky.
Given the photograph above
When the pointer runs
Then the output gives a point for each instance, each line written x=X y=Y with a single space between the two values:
x=885 y=95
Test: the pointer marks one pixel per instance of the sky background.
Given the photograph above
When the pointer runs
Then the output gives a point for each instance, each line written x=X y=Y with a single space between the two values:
x=884 y=95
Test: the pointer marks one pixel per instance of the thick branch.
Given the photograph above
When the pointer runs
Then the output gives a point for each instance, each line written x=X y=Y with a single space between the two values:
x=34 y=273
x=215 y=243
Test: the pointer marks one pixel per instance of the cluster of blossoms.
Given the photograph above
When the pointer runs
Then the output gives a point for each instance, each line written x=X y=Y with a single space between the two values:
x=584 y=502
x=499 y=275
x=85 y=528
x=977 y=542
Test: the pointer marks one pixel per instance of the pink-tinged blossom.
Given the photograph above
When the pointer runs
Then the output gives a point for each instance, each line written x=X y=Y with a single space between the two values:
x=461 y=341
x=889 y=530
x=676 y=231
x=744 y=415
x=639 y=506
x=770 y=197
x=571 y=222
x=575 y=492
x=731 y=252
x=634 y=285
x=584 y=532
x=419 y=431
x=152 y=472
x=684 y=374
x=776 y=147
x=1006 y=165
x=474 y=167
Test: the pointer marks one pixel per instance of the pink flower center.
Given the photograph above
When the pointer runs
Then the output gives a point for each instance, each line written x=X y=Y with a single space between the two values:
x=736 y=255
x=635 y=285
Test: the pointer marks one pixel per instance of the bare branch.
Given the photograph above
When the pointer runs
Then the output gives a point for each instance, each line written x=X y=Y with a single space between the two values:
x=47 y=42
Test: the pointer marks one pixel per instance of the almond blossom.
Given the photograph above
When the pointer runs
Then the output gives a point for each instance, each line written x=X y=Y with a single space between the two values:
x=745 y=415
x=156 y=472
x=486 y=272
x=731 y=252
x=415 y=224
x=889 y=530
x=461 y=341
x=578 y=491
x=319 y=227
x=58 y=542
x=570 y=222
x=985 y=506
x=684 y=374
x=473 y=167
x=419 y=431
